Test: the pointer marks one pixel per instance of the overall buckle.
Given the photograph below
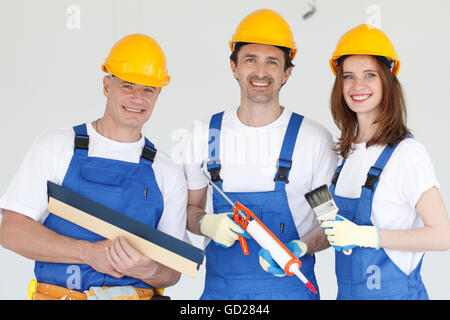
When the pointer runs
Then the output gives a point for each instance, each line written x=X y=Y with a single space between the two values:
x=372 y=178
x=214 y=170
x=283 y=168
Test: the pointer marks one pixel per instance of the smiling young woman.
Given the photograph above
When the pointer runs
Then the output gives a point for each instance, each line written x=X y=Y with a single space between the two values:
x=390 y=208
x=391 y=115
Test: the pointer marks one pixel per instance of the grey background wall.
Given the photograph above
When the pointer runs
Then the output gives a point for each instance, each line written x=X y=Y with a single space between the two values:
x=51 y=52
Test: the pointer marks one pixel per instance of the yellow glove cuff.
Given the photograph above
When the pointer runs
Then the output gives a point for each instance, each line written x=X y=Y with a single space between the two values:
x=343 y=233
x=370 y=237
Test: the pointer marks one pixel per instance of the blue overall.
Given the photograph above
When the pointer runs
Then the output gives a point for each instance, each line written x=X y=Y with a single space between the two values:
x=230 y=274
x=368 y=273
x=129 y=188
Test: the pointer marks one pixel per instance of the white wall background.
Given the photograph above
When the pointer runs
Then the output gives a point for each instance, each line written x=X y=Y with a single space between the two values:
x=51 y=52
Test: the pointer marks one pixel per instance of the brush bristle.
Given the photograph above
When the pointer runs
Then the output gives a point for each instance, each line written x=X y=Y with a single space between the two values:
x=318 y=196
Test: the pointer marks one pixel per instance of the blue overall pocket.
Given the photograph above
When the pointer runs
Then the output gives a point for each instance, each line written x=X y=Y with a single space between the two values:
x=103 y=185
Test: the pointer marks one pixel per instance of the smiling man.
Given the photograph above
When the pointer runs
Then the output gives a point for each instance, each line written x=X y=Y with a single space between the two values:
x=117 y=167
x=264 y=156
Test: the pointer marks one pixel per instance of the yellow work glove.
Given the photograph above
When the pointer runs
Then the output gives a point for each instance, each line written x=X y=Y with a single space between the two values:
x=221 y=228
x=346 y=234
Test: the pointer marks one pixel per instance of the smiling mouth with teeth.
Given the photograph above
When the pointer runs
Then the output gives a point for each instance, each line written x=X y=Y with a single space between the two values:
x=133 y=110
x=259 y=84
x=360 y=98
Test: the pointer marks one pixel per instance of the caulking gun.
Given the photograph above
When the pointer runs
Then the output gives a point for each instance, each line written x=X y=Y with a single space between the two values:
x=263 y=236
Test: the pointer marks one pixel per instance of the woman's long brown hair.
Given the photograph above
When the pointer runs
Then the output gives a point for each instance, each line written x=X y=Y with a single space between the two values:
x=391 y=119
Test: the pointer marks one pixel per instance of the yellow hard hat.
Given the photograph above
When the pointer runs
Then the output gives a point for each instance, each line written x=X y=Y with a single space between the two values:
x=139 y=59
x=266 y=27
x=365 y=40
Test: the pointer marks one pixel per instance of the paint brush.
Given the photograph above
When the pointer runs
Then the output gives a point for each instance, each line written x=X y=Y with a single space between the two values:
x=324 y=207
x=322 y=203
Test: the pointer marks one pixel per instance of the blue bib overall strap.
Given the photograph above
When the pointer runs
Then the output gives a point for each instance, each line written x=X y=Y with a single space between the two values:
x=229 y=273
x=336 y=175
x=369 y=187
x=81 y=140
x=368 y=273
x=284 y=164
x=148 y=153
x=128 y=188
x=213 y=165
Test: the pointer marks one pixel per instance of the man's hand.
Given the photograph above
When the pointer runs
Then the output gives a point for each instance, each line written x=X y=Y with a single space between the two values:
x=97 y=258
x=298 y=249
x=221 y=228
x=127 y=261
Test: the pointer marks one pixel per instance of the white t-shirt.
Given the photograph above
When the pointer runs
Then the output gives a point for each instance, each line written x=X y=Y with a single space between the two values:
x=49 y=157
x=408 y=173
x=249 y=157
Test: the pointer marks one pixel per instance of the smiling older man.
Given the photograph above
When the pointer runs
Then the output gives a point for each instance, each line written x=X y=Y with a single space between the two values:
x=112 y=169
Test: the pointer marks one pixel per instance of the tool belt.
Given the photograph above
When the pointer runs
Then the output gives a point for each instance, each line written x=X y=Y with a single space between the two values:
x=44 y=291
